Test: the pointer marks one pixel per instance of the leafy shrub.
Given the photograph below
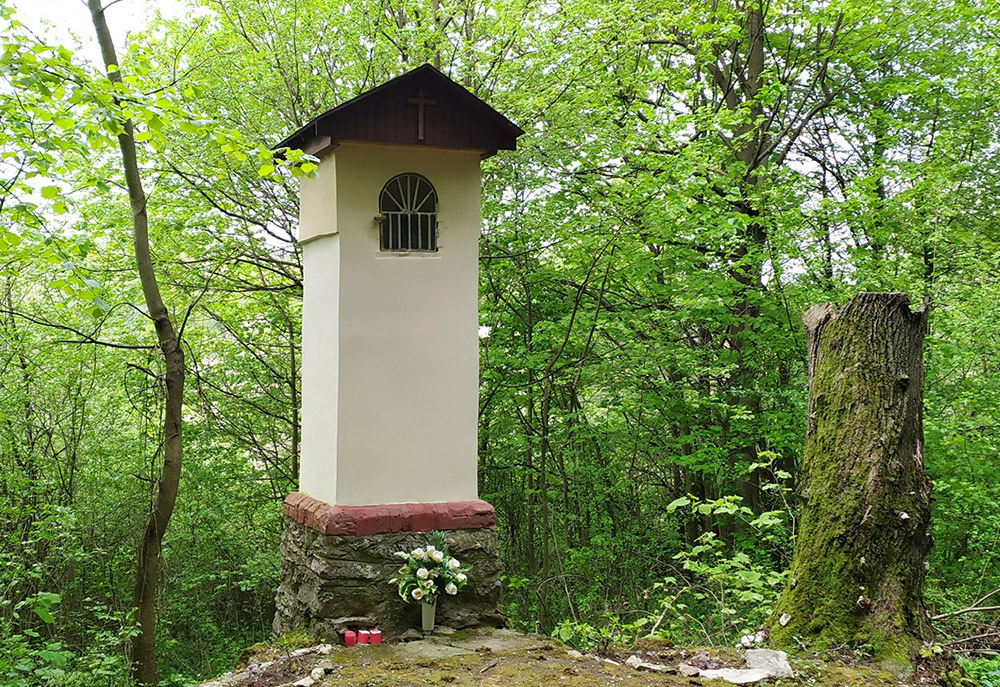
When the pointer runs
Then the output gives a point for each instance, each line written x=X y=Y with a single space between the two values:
x=31 y=659
x=724 y=594
x=718 y=592
x=986 y=671
x=584 y=636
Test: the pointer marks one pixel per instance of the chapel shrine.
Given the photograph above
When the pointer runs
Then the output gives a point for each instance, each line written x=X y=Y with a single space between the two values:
x=389 y=228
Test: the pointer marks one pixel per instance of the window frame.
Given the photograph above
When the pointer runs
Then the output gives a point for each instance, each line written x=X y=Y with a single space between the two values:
x=400 y=208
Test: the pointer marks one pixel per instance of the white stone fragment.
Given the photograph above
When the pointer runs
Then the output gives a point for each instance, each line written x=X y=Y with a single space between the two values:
x=302 y=652
x=736 y=676
x=324 y=648
x=688 y=670
x=639 y=664
x=573 y=653
x=904 y=516
x=774 y=662
x=747 y=641
x=614 y=663
x=655 y=667
x=785 y=619
x=304 y=682
x=317 y=674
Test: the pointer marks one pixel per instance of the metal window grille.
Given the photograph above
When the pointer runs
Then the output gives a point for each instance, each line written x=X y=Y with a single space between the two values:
x=408 y=209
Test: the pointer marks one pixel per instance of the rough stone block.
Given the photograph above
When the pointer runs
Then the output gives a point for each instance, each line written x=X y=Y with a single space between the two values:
x=326 y=578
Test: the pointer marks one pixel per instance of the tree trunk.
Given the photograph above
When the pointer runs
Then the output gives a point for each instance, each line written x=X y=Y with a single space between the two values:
x=145 y=670
x=857 y=574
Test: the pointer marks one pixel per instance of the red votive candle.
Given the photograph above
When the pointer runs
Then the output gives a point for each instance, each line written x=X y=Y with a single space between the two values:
x=350 y=638
x=364 y=636
x=375 y=637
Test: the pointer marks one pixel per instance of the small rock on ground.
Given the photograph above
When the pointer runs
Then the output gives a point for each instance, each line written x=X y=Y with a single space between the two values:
x=688 y=670
x=748 y=641
x=735 y=675
x=774 y=662
x=639 y=664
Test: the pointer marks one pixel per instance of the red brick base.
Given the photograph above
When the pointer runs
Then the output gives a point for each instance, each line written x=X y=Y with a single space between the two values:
x=383 y=519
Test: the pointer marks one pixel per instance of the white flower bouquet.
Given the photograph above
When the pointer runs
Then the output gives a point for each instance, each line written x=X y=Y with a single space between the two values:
x=428 y=571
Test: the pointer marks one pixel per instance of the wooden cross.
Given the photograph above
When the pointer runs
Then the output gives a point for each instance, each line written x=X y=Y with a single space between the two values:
x=420 y=101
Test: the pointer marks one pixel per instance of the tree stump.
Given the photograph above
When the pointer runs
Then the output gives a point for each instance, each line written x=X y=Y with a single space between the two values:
x=857 y=574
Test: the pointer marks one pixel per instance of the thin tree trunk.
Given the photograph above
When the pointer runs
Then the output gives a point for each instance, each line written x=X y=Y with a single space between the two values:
x=858 y=571
x=145 y=671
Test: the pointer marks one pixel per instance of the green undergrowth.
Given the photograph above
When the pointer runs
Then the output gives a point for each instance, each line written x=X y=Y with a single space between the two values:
x=986 y=671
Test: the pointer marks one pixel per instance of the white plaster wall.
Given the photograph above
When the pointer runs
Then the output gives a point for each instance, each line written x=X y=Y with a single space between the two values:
x=320 y=366
x=318 y=201
x=405 y=398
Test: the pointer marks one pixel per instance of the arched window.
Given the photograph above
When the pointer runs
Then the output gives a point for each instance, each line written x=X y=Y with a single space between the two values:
x=408 y=209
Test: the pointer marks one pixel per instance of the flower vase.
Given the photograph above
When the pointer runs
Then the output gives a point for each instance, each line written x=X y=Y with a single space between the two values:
x=427 y=612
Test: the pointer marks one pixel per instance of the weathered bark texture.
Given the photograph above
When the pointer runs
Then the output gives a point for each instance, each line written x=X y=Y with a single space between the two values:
x=857 y=575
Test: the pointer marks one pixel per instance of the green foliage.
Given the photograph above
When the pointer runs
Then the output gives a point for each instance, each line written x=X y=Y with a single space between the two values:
x=583 y=636
x=727 y=590
x=986 y=671
x=720 y=594
x=646 y=255
x=33 y=658
x=715 y=596
x=30 y=662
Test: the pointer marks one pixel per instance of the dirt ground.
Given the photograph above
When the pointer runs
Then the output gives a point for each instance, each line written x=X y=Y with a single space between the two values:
x=505 y=657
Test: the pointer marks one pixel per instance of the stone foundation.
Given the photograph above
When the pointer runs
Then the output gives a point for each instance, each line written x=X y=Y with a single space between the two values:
x=333 y=581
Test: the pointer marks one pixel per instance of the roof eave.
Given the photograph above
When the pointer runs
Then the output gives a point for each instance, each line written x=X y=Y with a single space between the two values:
x=315 y=126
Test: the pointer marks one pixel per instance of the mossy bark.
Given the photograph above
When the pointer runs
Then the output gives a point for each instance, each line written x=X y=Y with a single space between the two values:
x=857 y=575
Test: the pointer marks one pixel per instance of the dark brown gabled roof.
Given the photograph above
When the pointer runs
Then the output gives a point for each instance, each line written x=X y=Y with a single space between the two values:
x=457 y=119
